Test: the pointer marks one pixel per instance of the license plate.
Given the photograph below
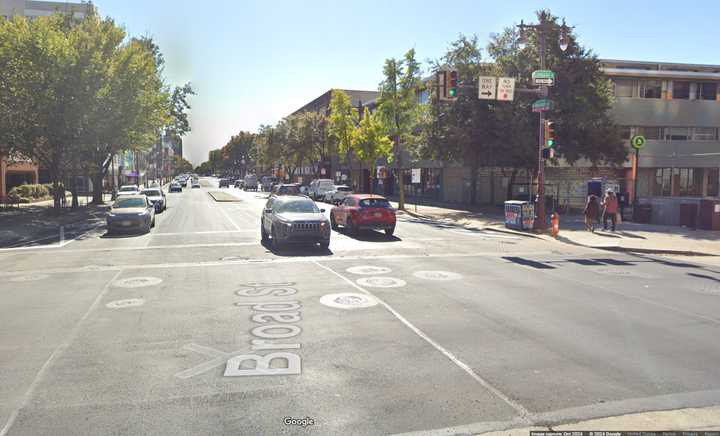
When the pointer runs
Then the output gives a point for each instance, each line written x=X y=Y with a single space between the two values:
x=377 y=214
x=125 y=223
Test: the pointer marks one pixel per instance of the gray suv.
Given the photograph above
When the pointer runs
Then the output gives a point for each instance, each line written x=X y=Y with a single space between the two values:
x=293 y=219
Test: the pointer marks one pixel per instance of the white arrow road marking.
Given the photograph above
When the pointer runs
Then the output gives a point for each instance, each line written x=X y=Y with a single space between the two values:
x=219 y=358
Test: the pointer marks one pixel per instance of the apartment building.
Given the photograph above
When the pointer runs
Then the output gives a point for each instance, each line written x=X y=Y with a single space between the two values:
x=33 y=8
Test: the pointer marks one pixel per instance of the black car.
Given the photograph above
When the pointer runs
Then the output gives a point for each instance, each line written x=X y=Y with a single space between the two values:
x=224 y=183
x=175 y=187
x=293 y=219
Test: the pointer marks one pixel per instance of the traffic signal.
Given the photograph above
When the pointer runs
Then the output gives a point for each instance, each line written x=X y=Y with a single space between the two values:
x=549 y=134
x=452 y=84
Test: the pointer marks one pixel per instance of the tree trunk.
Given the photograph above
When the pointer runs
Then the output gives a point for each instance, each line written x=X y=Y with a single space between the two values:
x=475 y=167
x=400 y=182
x=373 y=171
x=74 y=192
x=511 y=182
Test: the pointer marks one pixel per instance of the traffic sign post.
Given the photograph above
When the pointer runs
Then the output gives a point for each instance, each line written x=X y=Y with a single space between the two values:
x=637 y=142
x=506 y=89
x=543 y=78
x=487 y=87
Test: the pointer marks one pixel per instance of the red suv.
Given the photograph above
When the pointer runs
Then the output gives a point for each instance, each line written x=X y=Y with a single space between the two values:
x=364 y=211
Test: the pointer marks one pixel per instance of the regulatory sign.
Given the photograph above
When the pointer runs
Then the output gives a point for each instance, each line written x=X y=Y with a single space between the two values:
x=487 y=86
x=637 y=142
x=416 y=175
x=543 y=77
x=506 y=89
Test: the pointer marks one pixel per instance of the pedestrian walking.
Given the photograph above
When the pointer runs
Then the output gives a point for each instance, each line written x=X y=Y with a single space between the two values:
x=610 y=209
x=592 y=211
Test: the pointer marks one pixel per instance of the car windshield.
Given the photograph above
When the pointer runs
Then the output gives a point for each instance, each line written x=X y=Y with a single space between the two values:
x=129 y=203
x=152 y=192
x=374 y=202
x=296 y=206
x=128 y=189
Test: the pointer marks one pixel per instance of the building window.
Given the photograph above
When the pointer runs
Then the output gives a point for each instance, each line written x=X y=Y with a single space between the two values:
x=677 y=133
x=650 y=132
x=706 y=91
x=651 y=89
x=624 y=87
x=712 y=182
x=689 y=181
x=661 y=187
x=681 y=90
x=704 y=134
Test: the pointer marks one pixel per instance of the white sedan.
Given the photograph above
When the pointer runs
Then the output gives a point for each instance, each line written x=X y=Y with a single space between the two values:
x=337 y=194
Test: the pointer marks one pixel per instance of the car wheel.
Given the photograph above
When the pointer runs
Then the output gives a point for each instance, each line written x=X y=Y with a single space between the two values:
x=333 y=223
x=152 y=223
x=350 y=226
x=274 y=240
x=389 y=232
x=263 y=233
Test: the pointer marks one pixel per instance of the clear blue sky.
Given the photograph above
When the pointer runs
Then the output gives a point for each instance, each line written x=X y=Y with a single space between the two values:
x=254 y=62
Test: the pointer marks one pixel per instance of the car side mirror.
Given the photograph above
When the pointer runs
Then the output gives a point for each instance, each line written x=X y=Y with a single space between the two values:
x=322 y=210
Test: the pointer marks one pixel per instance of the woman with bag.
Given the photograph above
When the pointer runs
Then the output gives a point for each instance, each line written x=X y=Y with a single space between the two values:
x=610 y=209
x=592 y=210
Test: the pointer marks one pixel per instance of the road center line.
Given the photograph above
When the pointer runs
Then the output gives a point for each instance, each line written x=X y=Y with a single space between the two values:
x=229 y=219
x=69 y=339
x=524 y=413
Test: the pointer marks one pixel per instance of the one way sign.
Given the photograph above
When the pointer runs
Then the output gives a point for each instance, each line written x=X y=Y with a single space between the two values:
x=487 y=87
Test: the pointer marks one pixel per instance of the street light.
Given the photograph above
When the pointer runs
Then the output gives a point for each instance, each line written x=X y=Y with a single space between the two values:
x=542 y=29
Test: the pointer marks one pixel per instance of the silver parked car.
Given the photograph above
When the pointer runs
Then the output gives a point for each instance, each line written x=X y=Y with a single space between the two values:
x=337 y=194
x=156 y=197
x=131 y=213
x=294 y=219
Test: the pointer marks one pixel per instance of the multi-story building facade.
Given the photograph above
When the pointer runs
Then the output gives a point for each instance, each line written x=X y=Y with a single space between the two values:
x=675 y=106
x=33 y=8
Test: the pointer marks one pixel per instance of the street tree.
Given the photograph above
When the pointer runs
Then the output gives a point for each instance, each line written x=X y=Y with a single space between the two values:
x=370 y=142
x=181 y=165
x=582 y=97
x=400 y=109
x=341 y=124
x=463 y=130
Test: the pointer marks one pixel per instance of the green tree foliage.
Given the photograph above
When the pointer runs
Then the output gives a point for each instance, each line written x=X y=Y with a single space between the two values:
x=74 y=92
x=240 y=147
x=342 y=121
x=464 y=130
x=582 y=95
x=181 y=165
x=370 y=142
x=399 y=108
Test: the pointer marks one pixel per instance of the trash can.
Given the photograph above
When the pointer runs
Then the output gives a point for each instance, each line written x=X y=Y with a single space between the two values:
x=709 y=215
x=519 y=215
x=642 y=213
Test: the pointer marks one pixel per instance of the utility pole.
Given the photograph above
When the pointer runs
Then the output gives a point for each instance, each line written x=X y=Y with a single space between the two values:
x=542 y=29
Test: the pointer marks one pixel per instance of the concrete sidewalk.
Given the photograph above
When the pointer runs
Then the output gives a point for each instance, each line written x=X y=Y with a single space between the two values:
x=633 y=237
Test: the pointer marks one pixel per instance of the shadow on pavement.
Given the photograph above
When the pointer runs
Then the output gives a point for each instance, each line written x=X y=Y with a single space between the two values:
x=305 y=250
x=369 y=236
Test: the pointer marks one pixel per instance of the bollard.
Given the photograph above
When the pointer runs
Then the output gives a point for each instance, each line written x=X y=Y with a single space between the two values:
x=555 y=224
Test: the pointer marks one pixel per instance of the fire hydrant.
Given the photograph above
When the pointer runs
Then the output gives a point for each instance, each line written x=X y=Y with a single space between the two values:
x=554 y=224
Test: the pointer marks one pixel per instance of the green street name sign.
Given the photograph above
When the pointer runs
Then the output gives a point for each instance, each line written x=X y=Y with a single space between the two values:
x=637 y=142
x=543 y=77
x=542 y=105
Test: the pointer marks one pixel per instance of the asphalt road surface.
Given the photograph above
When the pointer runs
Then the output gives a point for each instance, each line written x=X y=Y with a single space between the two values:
x=197 y=328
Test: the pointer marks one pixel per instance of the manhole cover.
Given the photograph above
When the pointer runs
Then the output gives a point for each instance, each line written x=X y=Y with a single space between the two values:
x=29 y=278
x=381 y=282
x=368 y=269
x=437 y=275
x=348 y=300
x=131 y=302
x=137 y=282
